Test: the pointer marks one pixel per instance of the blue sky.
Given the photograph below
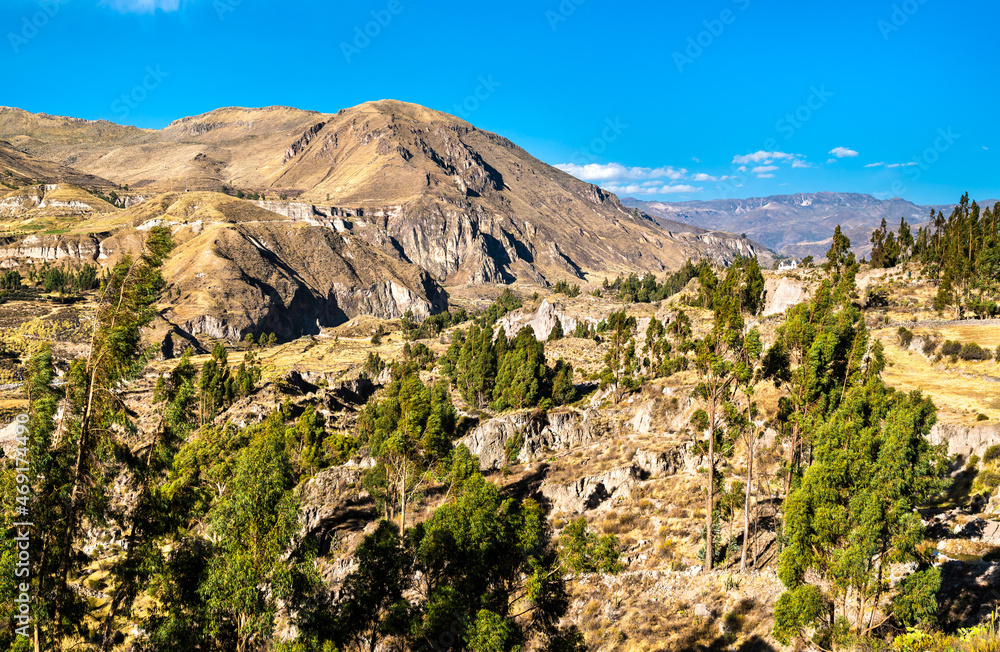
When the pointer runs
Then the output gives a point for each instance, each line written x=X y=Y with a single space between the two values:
x=664 y=100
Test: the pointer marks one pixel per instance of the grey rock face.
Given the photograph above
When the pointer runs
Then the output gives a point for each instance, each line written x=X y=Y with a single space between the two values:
x=537 y=435
x=542 y=321
x=592 y=491
x=965 y=440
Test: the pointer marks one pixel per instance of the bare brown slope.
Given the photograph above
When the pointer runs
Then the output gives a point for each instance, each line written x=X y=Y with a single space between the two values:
x=239 y=269
x=467 y=205
x=17 y=167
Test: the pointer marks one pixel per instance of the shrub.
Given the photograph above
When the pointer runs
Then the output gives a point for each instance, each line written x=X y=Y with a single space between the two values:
x=982 y=417
x=973 y=351
x=905 y=337
x=988 y=480
x=951 y=348
x=929 y=347
x=586 y=552
x=992 y=453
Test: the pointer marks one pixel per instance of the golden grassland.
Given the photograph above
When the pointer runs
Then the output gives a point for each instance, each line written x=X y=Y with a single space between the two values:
x=961 y=390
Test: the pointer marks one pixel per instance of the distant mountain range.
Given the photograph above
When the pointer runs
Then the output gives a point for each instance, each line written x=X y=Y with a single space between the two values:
x=793 y=225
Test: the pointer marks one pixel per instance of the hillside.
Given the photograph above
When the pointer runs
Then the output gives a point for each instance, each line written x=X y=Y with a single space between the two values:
x=19 y=168
x=466 y=205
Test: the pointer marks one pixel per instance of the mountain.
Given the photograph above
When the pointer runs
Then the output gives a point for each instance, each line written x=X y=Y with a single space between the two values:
x=793 y=225
x=466 y=205
x=18 y=168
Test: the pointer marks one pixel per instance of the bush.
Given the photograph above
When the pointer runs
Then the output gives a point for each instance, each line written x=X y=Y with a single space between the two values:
x=973 y=351
x=988 y=480
x=982 y=417
x=992 y=453
x=929 y=347
x=951 y=348
x=905 y=337
x=562 y=287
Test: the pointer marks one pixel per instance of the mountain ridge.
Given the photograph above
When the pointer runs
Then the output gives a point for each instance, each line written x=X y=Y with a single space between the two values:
x=797 y=224
x=468 y=205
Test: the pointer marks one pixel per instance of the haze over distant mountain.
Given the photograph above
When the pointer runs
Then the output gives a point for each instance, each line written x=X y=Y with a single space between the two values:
x=793 y=225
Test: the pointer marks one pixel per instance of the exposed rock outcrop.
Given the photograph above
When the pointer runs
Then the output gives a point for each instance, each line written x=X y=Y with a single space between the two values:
x=965 y=440
x=592 y=491
x=783 y=293
x=542 y=321
x=531 y=435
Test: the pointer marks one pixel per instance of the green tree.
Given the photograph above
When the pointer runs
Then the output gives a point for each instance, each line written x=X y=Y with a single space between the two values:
x=408 y=432
x=721 y=362
x=476 y=366
x=252 y=525
x=521 y=374
x=484 y=552
x=839 y=255
x=854 y=515
x=620 y=360
x=563 y=389
x=372 y=605
x=98 y=418
x=586 y=552
x=152 y=516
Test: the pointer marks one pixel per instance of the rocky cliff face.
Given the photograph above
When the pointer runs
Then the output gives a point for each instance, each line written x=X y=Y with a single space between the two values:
x=466 y=205
x=965 y=441
x=530 y=436
x=237 y=268
x=76 y=248
x=541 y=321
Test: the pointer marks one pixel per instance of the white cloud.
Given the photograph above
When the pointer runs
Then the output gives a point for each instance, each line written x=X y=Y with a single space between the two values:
x=762 y=156
x=986 y=148
x=142 y=6
x=698 y=160
x=801 y=164
x=831 y=160
x=612 y=171
x=764 y=168
x=765 y=176
x=843 y=152
x=701 y=176
x=890 y=165
x=636 y=189
x=669 y=190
